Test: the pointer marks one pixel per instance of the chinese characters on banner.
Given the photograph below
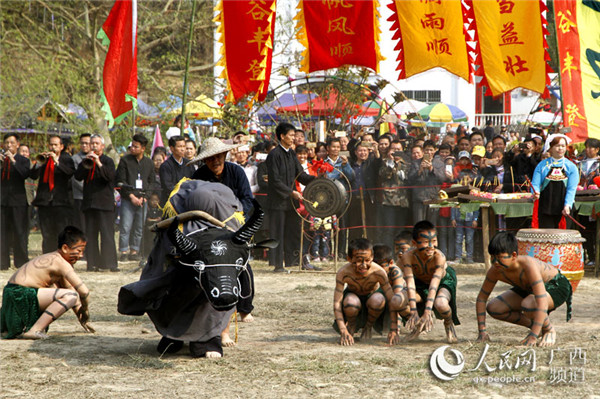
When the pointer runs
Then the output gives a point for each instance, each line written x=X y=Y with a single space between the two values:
x=338 y=32
x=431 y=34
x=246 y=31
x=511 y=44
x=577 y=30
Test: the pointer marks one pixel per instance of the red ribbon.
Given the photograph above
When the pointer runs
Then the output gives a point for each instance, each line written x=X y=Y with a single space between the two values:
x=49 y=173
x=320 y=166
x=6 y=171
x=90 y=175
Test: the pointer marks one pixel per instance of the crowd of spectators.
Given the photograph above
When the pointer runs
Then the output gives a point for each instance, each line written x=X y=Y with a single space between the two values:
x=390 y=177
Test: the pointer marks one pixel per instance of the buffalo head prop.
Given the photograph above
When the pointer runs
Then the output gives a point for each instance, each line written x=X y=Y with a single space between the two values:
x=219 y=257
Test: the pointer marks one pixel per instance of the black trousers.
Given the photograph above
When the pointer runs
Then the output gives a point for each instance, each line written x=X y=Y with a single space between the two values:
x=77 y=217
x=244 y=305
x=53 y=220
x=14 y=235
x=103 y=256
x=284 y=226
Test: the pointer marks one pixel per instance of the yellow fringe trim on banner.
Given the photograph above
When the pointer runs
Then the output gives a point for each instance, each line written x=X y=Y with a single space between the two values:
x=302 y=37
x=222 y=62
x=377 y=34
x=168 y=210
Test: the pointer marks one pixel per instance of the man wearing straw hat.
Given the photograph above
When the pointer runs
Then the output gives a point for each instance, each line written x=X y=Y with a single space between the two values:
x=217 y=170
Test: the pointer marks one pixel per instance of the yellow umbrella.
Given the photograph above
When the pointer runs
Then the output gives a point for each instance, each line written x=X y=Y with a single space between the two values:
x=202 y=107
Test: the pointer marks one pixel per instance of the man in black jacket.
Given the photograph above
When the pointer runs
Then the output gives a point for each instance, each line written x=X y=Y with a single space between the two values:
x=99 y=206
x=135 y=175
x=54 y=196
x=15 y=228
x=174 y=168
x=284 y=223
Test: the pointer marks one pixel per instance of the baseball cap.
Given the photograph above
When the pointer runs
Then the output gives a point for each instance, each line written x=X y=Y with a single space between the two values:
x=478 y=150
x=464 y=154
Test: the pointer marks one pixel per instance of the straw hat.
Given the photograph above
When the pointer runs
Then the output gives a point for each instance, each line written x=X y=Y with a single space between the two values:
x=213 y=146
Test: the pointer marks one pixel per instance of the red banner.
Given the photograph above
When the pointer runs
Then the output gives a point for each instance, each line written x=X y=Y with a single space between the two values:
x=246 y=31
x=431 y=34
x=339 y=32
x=511 y=45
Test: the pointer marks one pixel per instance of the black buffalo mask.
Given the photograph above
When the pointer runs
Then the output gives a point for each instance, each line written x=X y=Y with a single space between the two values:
x=219 y=256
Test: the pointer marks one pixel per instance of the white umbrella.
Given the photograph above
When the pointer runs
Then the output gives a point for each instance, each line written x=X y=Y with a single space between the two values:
x=409 y=106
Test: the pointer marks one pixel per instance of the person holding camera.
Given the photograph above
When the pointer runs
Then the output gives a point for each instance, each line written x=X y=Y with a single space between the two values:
x=54 y=196
x=394 y=210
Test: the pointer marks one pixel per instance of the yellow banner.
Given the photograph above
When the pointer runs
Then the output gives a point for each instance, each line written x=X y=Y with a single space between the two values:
x=432 y=35
x=588 y=21
x=511 y=42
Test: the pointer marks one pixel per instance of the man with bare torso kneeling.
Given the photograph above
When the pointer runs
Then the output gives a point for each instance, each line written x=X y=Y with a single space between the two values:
x=363 y=301
x=430 y=282
x=537 y=289
x=44 y=288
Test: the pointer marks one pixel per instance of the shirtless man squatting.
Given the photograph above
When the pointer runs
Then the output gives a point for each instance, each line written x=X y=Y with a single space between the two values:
x=537 y=289
x=430 y=282
x=363 y=301
x=44 y=288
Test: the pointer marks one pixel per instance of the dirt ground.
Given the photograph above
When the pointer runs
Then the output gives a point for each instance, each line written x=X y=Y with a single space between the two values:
x=292 y=351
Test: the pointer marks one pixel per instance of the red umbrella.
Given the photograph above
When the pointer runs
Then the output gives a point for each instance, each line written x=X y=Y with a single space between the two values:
x=319 y=106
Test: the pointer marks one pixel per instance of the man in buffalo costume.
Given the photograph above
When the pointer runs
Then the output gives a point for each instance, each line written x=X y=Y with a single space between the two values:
x=190 y=285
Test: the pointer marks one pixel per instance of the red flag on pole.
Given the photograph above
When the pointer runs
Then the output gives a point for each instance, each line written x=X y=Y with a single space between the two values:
x=119 y=77
x=157 y=141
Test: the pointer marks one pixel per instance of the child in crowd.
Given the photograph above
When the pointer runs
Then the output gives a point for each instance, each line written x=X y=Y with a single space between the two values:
x=465 y=225
x=322 y=228
x=153 y=215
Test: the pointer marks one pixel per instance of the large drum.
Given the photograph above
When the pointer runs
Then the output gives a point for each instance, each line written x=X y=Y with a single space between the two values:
x=561 y=248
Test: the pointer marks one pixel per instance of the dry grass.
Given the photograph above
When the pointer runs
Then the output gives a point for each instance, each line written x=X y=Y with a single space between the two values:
x=289 y=351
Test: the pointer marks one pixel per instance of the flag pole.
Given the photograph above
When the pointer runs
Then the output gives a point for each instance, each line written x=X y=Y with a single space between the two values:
x=187 y=66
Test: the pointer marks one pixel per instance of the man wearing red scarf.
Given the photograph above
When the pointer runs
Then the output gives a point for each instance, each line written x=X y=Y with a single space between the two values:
x=54 y=196
x=14 y=226
x=98 y=206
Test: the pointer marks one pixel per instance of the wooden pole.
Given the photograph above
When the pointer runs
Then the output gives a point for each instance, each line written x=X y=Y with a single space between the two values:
x=301 y=242
x=187 y=66
x=597 y=262
x=335 y=248
x=363 y=214
x=485 y=228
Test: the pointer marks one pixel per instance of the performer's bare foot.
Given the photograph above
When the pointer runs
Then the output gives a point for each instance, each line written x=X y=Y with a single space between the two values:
x=35 y=335
x=367 y=333
x=214 y=354
x=450 y=332
x=246 y=317
x=548 y=338
x=226 y=341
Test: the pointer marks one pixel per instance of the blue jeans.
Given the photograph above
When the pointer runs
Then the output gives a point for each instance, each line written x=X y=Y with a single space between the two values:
x=131 y=226
x=464 y=230
x=321 y=244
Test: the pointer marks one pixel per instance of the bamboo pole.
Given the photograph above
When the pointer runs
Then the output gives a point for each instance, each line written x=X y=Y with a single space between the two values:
x=485 y=228
x=187 y=67
x=363 y=214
